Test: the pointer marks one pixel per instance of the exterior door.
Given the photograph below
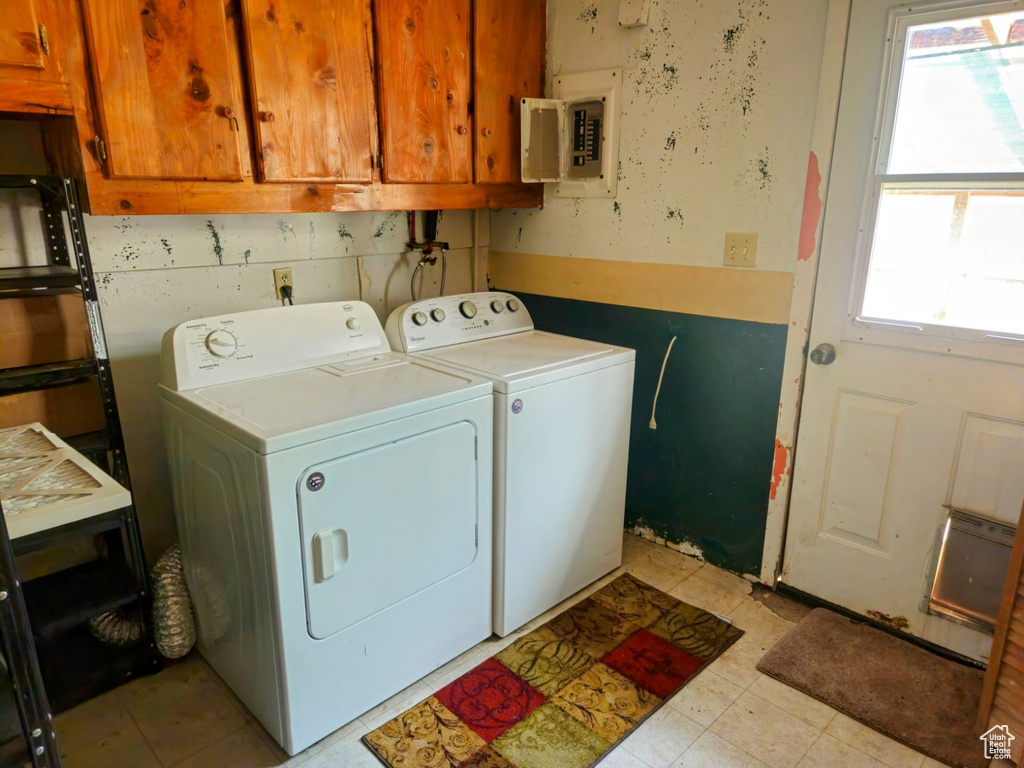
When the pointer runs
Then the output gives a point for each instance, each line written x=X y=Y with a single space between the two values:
x=914 y=394
x=310 y=70
x=423 y=48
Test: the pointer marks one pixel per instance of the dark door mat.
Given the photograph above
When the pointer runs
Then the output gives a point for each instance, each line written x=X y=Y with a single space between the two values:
x=906 y=692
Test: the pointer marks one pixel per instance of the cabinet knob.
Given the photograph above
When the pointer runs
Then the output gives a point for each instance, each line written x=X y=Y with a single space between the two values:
x=229 y=113
x=462 y=130
x=269 y=117
x=486 y=131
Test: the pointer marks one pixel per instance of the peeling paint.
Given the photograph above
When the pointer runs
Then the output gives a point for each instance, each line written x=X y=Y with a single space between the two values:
x=812 y=211
x=218 y=250
x=899 y=623
x=683 y=547
x=780 y=468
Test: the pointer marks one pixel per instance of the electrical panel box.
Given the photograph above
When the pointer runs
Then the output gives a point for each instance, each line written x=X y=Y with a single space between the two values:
x=572 y=140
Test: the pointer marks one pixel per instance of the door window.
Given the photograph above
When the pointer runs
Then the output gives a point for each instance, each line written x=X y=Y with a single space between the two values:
x=945 y=255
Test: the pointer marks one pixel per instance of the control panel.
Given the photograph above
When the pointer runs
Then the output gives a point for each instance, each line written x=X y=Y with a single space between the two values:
x=245 y=345
x=447 y=320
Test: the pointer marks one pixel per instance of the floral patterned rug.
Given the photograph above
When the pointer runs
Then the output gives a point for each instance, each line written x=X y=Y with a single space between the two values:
x=565 y=694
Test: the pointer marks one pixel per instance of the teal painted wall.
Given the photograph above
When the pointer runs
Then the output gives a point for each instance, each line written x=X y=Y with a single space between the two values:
x=703 y=476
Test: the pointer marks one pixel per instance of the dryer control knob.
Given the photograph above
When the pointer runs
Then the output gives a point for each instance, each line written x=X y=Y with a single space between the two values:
x=468 y=309
x=497 y=306
x=419 y=318
x=221 y=343
x=513 y=305
x=353 y=324
x=437 y=314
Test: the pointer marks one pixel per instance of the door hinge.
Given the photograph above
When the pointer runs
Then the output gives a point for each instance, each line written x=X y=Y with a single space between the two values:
x=44 y=39
x=101 y=149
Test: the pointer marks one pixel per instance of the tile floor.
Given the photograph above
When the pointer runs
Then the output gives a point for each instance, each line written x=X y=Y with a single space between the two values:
x=730 y=716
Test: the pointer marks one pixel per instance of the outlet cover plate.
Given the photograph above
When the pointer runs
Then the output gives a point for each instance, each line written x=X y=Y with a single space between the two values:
x=282 y=277
x=740 y=249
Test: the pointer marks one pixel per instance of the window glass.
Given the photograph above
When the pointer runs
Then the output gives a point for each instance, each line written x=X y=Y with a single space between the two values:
x=949 y=258
x=961 y=100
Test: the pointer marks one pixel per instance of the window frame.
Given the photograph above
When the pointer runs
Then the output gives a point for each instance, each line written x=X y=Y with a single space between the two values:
x=920 y=336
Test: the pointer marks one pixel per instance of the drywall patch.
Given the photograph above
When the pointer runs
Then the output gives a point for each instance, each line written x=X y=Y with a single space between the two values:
x=812 y=211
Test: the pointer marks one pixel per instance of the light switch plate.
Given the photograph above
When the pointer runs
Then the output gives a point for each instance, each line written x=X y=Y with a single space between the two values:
x=740 y=249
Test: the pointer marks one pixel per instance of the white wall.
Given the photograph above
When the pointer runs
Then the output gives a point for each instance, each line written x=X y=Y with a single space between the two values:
x=718 y=108
x=156 y=271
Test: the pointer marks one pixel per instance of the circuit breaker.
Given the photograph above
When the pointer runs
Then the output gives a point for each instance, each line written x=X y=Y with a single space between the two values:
x=572 y=140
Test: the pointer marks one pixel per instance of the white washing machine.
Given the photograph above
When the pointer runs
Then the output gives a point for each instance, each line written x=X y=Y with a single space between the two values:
x=333 y=501
x=561 y=427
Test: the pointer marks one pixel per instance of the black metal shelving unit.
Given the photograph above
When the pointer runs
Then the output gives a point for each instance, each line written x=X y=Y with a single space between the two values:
x=75 y=665
x=26 y=721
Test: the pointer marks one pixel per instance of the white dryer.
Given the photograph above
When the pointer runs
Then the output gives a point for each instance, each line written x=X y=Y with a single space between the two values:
x=561 y=428
x=333 y=501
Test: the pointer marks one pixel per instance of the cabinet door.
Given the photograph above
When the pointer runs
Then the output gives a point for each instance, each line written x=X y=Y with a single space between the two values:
x=312 y=85
x=21 y=41
x=508 y=45
x=163 y=88
x=423 y=47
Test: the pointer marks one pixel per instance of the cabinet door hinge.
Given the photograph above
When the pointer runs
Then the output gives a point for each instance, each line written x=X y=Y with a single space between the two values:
x=44 y=39
x=101 y=149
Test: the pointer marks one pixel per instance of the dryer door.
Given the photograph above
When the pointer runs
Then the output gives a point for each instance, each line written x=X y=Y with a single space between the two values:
x=383 y=524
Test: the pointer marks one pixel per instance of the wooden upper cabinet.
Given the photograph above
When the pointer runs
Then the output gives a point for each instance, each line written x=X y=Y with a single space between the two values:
x=423 y=52
x=312 y=89
x=509 y=50
x=23 y=41
x=166 y=101
x=32 y=58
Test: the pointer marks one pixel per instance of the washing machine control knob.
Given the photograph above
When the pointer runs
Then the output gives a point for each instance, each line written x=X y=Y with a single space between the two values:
x=513 y=305
x=497 y=306
x=221 y=343
x=437 y=314
x=468 y=309
x=353 y=324
x=419 y=318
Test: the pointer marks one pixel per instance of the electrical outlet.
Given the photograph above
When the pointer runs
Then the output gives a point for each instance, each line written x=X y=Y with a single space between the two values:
x=740 y=249
x=282 y=277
